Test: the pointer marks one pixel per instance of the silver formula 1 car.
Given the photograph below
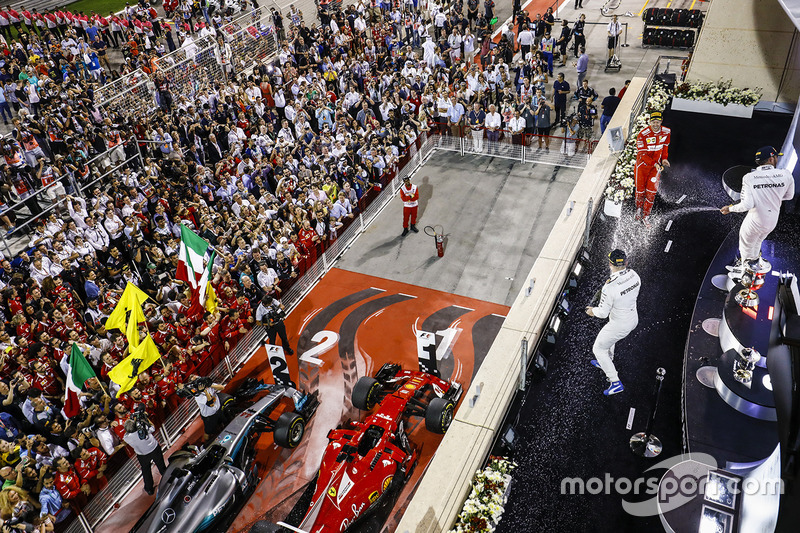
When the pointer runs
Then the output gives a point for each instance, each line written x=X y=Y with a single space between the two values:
x=203 y=491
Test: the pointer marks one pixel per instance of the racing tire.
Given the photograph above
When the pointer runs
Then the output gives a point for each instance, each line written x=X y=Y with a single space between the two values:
x=365 y=393
x=289 y=430
x=265 y=527
x=439 y=415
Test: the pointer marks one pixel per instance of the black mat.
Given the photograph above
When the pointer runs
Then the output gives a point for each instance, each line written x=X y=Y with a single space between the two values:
x=566 y=426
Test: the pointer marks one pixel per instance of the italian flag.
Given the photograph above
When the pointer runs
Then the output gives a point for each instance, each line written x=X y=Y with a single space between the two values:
x=190 y=257
x=77 y=374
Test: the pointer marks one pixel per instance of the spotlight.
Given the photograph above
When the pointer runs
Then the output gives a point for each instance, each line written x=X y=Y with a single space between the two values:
x=563 y=304
x=577 y=269
x=507 y=443
x=540 y=364
x=552 y=331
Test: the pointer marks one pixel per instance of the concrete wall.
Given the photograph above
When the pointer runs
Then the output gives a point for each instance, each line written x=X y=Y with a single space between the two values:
x=752 y=42
x=444 y=487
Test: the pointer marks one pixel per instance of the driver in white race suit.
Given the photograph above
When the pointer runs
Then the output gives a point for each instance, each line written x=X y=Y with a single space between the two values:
x=618 y=303
x=763 y=190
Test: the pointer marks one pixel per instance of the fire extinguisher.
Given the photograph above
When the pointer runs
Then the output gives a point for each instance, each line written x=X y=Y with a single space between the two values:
x=437 y=232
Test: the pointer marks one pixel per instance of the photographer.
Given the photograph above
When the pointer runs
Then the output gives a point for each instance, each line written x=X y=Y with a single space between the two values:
x=205 y=394
x=139 y=436
x=270 y=314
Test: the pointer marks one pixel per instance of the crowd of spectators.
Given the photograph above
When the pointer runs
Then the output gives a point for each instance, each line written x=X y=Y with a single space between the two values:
x=268 y=165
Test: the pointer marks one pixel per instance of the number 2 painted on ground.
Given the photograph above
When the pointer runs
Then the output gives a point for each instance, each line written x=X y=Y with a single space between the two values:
x=326 y=340
x=280 y=370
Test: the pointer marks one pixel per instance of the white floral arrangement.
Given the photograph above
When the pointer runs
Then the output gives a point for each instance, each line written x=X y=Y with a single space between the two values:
x=621 y=184
x=720 y=92
x=486 y=501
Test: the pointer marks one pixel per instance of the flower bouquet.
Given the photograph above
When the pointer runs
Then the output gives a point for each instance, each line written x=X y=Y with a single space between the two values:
x=487 y=499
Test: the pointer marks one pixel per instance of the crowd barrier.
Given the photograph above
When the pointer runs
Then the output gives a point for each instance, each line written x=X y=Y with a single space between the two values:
x=524 y=147
x=100 y=169
x=251 y=38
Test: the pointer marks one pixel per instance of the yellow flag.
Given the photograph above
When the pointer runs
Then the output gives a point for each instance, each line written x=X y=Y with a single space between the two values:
x=211 y=299
x=126 y=373
x=132 y=299
x=132 y=332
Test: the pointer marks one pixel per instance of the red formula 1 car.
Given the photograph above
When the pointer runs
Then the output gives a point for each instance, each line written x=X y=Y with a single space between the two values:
x=366 y=464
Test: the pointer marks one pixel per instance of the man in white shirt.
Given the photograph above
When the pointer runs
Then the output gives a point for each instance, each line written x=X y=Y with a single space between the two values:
x=517 y=127
x=617 y=302
x=763 y=191
x=525 y=40
x=210 y=409
x=493 y=123
x=429 y=48
x=614 y=29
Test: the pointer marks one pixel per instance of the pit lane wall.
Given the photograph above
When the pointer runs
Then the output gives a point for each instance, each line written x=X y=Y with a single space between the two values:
x=445 y=485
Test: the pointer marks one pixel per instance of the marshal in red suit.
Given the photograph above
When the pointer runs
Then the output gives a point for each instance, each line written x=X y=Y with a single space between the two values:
x=410 y=197
x=652 y=144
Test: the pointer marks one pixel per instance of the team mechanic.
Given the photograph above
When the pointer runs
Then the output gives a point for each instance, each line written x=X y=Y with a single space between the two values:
x=763 y=190
x=652 y=145
x=410 y=197
x=618 y=303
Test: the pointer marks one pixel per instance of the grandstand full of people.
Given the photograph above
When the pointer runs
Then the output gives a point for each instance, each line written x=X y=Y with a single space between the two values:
x=268 y=165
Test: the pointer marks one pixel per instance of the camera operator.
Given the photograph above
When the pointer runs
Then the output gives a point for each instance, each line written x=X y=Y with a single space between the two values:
x=139 y=436
x=205 y=394
x=270 y=314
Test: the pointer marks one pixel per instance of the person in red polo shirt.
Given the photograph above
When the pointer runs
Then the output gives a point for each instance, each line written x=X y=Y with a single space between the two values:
x=69 y=485
x=410 y=197
x=91 y=466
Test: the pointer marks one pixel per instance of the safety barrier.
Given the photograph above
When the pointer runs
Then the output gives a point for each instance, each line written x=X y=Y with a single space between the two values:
x=131 y=93
x=99 y=171
x=555 y=150
x=251 y=38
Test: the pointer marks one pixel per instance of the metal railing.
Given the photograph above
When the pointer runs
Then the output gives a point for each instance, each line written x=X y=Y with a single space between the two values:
x=78 y=187
x=640 y=106
x=524 y=147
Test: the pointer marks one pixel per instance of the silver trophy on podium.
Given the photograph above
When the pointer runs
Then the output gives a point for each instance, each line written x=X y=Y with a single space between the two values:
x=744 y=364
x=748 y=297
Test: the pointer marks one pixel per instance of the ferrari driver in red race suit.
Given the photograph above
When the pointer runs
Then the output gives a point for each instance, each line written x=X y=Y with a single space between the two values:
x=652 y=144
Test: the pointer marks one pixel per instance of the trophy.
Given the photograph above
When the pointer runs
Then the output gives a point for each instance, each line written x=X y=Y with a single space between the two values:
x=744 y=364
x=748 y=297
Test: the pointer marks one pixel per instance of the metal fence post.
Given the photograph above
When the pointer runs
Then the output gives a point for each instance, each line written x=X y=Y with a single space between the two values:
x=85 y=523
x=522 y=151
x=524 y=360
x=76 y=187
x=165 y=437
x=361 y=220
x=230 y=366
x=588 y=223
x=325 y=261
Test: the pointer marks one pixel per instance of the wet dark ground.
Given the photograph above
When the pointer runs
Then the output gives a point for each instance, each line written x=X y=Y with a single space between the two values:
x=565 y=426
